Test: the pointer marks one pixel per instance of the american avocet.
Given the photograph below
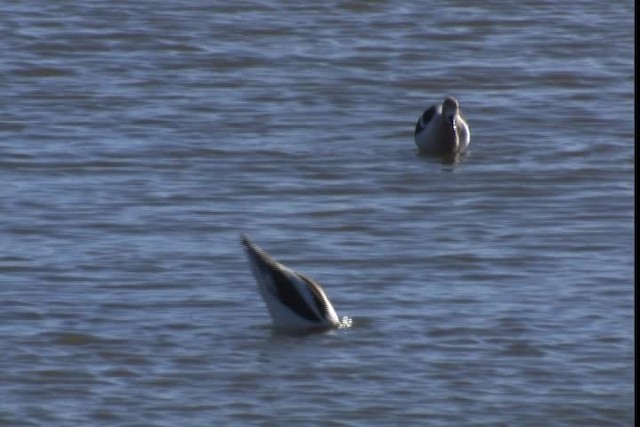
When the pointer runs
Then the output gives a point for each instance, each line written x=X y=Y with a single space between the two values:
x=442 y=130
x=293 y=300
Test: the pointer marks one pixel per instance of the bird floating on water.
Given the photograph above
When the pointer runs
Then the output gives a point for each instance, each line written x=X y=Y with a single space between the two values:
x=294 y=301
x=441 y=129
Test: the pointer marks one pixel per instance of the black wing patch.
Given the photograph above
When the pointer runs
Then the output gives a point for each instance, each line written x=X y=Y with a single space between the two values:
x=288 y=293
x=426 y=118
x=319 y=297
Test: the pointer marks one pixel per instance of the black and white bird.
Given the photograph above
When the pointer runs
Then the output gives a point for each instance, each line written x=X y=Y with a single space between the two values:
x=293 y=300
x=441 y=129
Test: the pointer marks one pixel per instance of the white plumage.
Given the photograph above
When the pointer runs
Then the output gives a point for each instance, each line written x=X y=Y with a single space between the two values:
x=442 y=130
x=294 y=301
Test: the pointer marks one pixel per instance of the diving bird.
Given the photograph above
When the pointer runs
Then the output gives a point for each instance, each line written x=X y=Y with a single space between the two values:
x=294 y=301
x=442 y=130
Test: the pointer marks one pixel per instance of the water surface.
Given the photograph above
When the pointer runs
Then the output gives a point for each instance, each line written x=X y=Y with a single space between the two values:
x=139 y=140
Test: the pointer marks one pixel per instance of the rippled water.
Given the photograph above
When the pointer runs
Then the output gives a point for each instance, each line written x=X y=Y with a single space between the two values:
x=138 y=141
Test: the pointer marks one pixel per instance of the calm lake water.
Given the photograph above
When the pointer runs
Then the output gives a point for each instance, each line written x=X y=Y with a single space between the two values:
x=138 y=139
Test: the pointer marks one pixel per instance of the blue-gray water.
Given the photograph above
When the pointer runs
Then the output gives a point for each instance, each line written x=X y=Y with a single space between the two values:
x=138 y=139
